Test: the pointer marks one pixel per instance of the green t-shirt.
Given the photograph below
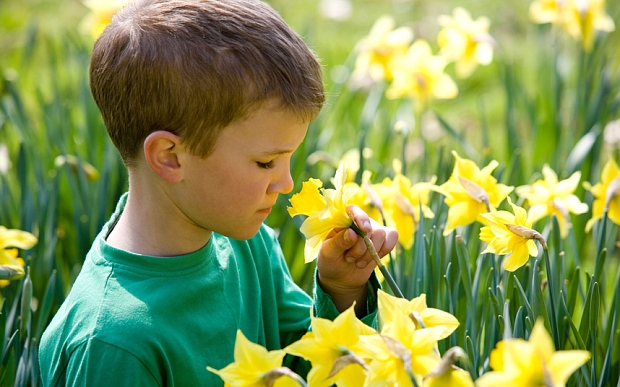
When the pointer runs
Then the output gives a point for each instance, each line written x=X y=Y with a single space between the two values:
x=135 y=320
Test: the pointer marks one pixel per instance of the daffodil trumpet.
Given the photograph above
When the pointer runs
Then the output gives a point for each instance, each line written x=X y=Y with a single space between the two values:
x=373 y=253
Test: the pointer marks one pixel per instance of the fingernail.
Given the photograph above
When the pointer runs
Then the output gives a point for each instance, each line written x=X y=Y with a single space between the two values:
x=349 y=259
x=367 y=225
x=361 y=264
x=347 y=236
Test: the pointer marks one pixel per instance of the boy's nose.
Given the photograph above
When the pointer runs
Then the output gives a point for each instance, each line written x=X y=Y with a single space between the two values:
x=283 y=185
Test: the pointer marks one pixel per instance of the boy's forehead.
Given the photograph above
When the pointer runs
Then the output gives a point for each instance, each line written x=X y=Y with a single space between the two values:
x=271 y=129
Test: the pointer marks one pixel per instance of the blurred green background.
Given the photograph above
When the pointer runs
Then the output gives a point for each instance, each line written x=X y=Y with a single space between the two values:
x=542 y=100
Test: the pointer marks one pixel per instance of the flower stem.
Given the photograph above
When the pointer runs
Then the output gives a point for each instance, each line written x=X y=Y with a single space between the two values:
x=373 y=253
x=553 y=317
x=412 y=377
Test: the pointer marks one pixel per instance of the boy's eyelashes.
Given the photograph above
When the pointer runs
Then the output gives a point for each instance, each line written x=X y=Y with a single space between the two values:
x=268 y=165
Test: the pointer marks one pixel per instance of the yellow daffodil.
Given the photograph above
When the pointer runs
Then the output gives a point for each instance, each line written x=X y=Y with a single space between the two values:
x=420 y=75
x=582 y=19
x=465 y=41
x=471 y=192
x=330 y=342
x=326 y=210
x=12 y=253
x=550 y=196
x=368 y=197
x=13 y=267
x=101 y=12
x=403 y=201
x=446 y=374
x=252 y=366
x=547 y=11
x=381 y=45
x=400 y=347
x=390 y=305
x=510 y=234
x=605 y=191
x=533 y=363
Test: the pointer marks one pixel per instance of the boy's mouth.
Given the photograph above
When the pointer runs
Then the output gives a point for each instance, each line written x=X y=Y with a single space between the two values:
x=265 y=210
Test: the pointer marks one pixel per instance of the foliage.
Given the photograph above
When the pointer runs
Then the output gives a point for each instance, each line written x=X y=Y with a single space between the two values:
x=547 y=99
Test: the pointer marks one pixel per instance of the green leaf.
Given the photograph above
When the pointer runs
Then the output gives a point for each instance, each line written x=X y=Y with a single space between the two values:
x=518 y=330
x=580 y=343
x=581 y=150
x=25 y=311
x=526 y=303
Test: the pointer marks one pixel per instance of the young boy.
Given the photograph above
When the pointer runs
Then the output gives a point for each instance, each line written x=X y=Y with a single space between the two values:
x=205 y=100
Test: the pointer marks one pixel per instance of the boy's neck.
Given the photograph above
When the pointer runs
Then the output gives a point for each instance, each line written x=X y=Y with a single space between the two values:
x=151 y=224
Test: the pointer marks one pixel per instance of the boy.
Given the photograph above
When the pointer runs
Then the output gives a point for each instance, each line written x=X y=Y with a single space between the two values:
x=206 y=101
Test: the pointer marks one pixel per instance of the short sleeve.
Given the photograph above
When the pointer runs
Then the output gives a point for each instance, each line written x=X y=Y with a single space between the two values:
x=95 y=363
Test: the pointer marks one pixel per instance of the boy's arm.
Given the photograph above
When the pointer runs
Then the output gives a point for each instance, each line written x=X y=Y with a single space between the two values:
x=344 y=265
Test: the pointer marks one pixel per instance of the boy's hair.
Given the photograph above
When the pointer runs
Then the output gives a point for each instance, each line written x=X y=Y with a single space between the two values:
x=192 y=67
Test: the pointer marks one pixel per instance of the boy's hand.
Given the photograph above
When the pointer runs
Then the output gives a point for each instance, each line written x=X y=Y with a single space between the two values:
x=344 y=264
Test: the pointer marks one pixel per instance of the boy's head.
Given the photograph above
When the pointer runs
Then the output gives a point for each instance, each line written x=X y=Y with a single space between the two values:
x=193 y=67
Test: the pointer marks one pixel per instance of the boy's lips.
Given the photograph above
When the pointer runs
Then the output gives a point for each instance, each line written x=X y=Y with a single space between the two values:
x=265 y=210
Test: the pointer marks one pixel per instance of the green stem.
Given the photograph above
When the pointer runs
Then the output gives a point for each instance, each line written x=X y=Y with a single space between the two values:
x=373 y=253
x=600 y=245
x=412 y=377
x=550 y=287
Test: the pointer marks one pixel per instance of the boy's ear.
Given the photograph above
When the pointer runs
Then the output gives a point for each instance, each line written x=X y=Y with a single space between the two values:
x=161 y=150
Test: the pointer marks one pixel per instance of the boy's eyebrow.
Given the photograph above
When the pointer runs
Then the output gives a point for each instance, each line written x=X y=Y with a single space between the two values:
x=278 y=152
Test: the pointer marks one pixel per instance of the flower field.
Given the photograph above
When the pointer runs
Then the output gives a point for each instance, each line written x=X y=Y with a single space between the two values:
x=486 y=133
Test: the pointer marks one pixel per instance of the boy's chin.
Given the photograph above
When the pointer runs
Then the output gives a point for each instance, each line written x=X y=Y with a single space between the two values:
x=242 y=235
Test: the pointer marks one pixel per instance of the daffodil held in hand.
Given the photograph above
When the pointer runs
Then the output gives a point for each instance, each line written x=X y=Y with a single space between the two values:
x=343 y=261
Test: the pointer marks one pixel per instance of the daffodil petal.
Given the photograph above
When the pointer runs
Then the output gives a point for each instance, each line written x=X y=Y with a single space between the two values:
x=517 y=258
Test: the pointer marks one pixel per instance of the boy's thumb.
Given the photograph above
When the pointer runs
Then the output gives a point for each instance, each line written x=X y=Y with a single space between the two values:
x=335 y=247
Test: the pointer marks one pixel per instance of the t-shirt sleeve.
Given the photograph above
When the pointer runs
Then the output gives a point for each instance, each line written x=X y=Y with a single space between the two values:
x=324 y=305
x=95 y=363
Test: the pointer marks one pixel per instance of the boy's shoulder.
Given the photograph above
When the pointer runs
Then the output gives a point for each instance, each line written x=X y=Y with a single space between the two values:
x=113 y=297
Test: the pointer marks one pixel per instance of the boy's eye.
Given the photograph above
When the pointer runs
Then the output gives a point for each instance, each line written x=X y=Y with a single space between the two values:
x=267 y=165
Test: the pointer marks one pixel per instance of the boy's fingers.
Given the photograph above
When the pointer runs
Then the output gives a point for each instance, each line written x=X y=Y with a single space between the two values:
x=335 y=247
x=360 y=217
x=391 y=238
x=378 y=240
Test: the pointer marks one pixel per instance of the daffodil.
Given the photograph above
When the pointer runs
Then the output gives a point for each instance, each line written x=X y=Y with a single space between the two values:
x=403 y=201
x=547 y=11
x=510 y=234
x=101 y=12
x=327 y=344
x=533 y=363
x=13 y=267
x=400 y=349
x=389 y=306
x=326 y=210
x=471 y=192
x=381 y=45
x=605 y=192
x=254 y=366
x=446 y=374
x=550 y=196
x=582 y=19
x=451 y=378
x=368 y=197
x=12 y=254
x=420 y=75
x=465 y=41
